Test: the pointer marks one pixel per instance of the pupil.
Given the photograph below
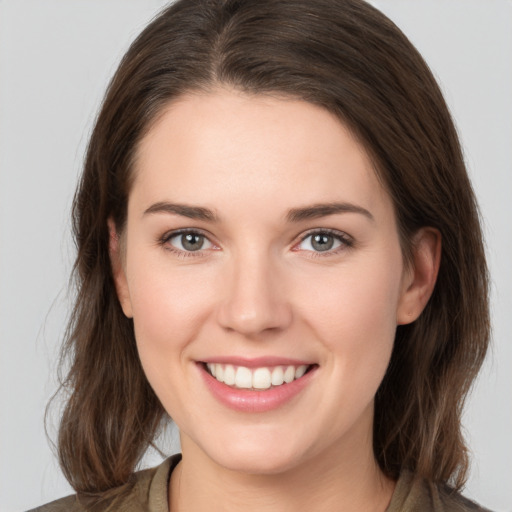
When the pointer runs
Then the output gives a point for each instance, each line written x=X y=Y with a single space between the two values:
x=192 y=242
x=322 y=242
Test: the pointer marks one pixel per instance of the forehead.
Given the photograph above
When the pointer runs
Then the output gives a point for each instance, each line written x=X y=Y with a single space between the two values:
x=228 y=147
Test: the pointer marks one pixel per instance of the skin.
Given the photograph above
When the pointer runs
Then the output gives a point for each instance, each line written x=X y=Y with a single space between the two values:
x=259 y=288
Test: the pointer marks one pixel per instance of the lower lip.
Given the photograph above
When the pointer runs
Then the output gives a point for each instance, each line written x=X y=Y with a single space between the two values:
x=247 y=400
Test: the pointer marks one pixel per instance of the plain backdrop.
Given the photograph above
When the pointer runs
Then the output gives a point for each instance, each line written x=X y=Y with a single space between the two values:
x=56 y=57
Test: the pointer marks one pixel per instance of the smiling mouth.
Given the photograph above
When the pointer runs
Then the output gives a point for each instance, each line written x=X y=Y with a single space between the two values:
x=256 y=379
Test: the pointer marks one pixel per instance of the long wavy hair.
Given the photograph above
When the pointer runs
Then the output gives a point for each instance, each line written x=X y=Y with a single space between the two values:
x=348 y=58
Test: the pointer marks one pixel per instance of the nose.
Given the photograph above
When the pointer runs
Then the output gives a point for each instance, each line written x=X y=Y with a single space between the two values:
x=254 y=298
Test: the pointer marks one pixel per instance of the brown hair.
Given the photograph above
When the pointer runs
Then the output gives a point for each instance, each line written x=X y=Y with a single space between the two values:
x=347 y=57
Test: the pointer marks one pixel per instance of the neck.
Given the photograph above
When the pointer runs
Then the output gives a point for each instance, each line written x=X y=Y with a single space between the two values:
x=347 y=480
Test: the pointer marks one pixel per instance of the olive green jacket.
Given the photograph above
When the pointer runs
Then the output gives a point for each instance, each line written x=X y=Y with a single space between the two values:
x=149 y=493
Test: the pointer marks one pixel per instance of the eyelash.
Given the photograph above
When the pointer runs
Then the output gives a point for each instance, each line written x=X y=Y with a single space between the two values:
x=346 y=242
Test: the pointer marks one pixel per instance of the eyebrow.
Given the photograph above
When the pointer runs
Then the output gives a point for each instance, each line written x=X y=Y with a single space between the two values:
x=192 y=212
x=323 y=209
x=315 y=211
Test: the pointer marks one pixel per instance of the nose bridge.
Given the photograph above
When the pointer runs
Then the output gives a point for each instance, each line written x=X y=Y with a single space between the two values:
x=254 y=299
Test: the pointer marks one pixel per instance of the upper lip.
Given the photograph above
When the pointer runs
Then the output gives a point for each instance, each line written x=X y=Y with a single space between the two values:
x=256 y=362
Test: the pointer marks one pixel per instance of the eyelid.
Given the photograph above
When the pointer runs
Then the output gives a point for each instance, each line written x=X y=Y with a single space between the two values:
x=182 y=231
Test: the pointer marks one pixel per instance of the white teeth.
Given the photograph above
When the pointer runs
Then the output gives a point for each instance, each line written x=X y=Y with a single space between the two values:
x=243 y=378
x=277 y=376
x=219 y=372
x=229 y=375
x=289 y=374
x=261 y=378
x=300 y=371
x=258 y=378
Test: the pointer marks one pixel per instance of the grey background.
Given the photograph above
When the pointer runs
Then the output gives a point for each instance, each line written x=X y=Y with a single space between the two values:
x=56 y=57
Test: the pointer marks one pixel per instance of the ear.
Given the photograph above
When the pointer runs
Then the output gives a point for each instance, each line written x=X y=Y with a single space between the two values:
x=420 y=278
x=118 y=272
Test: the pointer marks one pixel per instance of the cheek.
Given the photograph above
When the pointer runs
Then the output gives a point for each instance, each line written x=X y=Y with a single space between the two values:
x=169 y=306
x=355 y=317
x=165 y=294
x=356 y=300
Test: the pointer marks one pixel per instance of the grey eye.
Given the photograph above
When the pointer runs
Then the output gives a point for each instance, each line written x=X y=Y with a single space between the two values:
x=320 y=242
x=190 y=242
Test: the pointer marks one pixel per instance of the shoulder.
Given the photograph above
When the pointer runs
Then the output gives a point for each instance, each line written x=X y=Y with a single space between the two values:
x=416 y=494
x=147 y=492
x=69 y=503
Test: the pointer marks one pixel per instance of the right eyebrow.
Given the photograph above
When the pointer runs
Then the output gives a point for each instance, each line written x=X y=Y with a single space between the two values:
x=185 y=210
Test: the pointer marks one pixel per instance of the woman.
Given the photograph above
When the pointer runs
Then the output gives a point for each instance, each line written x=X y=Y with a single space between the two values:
x=278 y=248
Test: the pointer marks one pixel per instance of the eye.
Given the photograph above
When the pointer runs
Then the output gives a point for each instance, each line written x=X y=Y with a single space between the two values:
x=189 y=241
x=324 y=241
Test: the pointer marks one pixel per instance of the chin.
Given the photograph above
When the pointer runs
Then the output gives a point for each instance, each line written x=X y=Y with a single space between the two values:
x=257 y=464
x=257 y=458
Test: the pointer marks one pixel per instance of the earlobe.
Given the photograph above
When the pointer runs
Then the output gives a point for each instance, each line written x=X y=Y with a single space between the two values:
x=419 y=280
x=118 y=272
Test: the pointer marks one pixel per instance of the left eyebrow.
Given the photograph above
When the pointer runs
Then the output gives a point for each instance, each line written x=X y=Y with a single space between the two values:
x=316 y=211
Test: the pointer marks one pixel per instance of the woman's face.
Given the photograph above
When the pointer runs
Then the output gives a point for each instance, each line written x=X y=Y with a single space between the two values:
x=259 y=245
